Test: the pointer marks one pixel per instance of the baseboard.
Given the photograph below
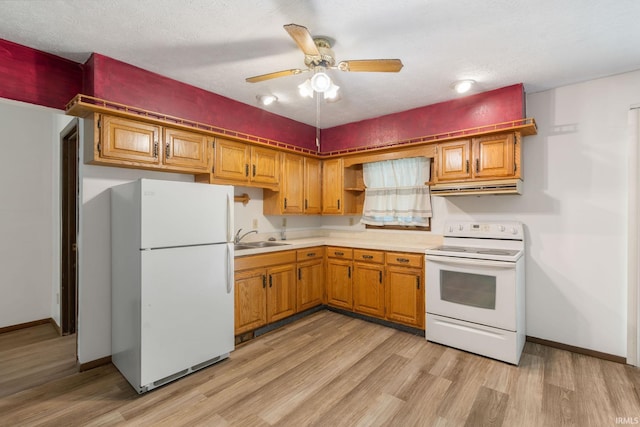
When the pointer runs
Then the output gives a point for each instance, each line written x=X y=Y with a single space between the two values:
x=26 y=325
x=94 y=364
x=579 y=350
x=55 y=325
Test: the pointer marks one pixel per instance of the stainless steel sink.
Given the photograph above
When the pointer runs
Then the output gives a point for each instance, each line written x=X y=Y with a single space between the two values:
x=254 y=245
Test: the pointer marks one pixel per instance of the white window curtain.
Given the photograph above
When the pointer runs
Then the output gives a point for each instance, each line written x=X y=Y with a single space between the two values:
x=395 y=193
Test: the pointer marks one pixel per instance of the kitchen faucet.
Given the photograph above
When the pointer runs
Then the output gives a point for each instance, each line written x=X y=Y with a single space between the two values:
x=239 y=237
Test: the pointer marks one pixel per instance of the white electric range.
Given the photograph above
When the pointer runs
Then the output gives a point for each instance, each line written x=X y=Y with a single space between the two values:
x=475 y=290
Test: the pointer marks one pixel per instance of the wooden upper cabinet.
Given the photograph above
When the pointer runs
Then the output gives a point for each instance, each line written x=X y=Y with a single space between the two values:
x=492 y=156
x=135 y=144
x=454 y=160
x=246 y=164
x=312 y=186
x=187 y=150
x=265 y=165
x=292 y=185
x=231 y=160
x=332 y=186
x=127 y=142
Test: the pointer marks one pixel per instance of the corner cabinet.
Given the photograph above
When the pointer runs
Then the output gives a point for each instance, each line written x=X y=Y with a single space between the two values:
x=129 y=143
x=487 y=157
x=300 y=185
x=342 y=188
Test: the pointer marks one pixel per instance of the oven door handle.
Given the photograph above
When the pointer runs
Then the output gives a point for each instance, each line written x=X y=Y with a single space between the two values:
x=471 y=262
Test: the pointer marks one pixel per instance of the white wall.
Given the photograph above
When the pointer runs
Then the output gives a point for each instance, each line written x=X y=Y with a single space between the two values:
x=574 y=207
x=29 y=212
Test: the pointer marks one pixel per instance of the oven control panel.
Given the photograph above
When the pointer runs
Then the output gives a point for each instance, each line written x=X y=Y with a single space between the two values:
x=510 y=230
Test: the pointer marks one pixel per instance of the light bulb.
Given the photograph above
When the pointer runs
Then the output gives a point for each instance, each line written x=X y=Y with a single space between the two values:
x=320 y=82
x=305 y=89
x=462 y=86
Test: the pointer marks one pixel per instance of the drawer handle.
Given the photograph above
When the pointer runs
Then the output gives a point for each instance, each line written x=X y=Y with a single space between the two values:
x=402 y=259
x=339 y=253
x=311 y=254
x=367 y=256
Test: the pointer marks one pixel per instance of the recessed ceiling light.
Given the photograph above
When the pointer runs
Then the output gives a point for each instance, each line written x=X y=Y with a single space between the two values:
x=266 y=99
x=462 y=86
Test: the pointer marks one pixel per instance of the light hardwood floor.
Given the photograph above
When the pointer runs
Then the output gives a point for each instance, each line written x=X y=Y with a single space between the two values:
x=331 y=370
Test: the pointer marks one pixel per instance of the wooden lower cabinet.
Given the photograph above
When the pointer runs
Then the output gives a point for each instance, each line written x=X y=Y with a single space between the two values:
x=368 y=285
x=387 y=285
x=265 y=289
x=310 y=278
x=281 y=292
x=339 y=280
x=405 y=296
x=250 y=300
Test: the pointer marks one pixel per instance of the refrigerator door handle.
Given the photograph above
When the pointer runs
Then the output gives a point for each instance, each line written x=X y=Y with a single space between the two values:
x=229 y=267
x=229 y=219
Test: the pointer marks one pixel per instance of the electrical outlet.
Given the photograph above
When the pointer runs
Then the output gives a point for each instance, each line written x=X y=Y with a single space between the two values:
x=284 y=222
x=351 y=220
x=254 y=223
x=58 y=297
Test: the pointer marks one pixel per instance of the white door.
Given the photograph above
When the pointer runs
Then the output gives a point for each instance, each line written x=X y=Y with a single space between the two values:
x=185 y=213
x=477 y=291
x=187 y=308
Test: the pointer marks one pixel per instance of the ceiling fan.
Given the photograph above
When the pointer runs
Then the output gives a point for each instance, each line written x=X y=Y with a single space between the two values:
x=319 y=57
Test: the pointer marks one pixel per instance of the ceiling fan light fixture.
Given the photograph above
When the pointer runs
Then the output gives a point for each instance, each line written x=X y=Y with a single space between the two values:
x=462 y=86
x=305 y=89
x=266 y=99
x=321 y=82
x=332 y=93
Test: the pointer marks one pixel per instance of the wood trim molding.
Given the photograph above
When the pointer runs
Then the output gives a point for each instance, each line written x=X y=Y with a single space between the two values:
x=94 y=364
x=84 y=105
x=27 y=325
x=579 y=350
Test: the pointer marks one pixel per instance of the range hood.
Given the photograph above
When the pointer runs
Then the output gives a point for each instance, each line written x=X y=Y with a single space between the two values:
x=476 y=188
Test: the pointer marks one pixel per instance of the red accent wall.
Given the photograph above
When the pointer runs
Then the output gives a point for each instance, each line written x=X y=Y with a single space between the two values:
x=496 y=106
x=117 y=81
x=37 y=77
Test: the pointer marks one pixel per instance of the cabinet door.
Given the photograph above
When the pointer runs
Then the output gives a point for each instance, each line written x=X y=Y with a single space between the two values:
x=368 y=289
x=405 y=296
x=291 y=187
x=186 y=150
x=250 y=300
x=310 y=284
x=265 y=166
x=339 y=289
x=281 y=292
x=231 y=160
x=494 y=156
x=332 y=186
x=312 y=186
x=453 y=160
x=128 y=141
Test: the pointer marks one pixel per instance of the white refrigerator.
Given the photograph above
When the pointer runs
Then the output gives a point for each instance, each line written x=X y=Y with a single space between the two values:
x=172 y=279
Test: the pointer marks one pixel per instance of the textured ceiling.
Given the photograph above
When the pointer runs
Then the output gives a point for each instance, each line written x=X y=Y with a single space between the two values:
x=215 y=44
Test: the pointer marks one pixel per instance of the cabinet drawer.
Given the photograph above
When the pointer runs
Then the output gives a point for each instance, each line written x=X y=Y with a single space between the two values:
x=264 y=260
x=368 y=256
x=309 y=253
x=338 y=252
x=404 y=259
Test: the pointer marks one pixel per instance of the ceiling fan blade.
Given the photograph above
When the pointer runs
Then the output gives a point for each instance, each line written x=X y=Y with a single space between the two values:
x=277 y=74
x=374 y=65
x=303 y=39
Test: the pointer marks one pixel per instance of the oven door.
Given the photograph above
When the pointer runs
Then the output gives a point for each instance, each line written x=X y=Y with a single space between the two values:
x=473 y=290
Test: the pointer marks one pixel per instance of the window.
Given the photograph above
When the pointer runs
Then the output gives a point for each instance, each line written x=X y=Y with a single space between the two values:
x=395 y=194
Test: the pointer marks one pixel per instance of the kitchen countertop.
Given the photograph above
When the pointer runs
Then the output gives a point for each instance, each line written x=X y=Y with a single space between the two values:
x=384 y=244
